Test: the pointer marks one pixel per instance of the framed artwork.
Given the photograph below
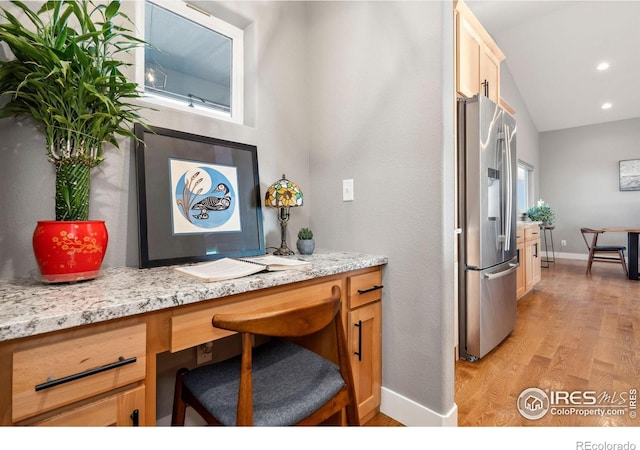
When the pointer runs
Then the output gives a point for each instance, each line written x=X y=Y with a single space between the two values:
x=198 y=198
x=630 y=175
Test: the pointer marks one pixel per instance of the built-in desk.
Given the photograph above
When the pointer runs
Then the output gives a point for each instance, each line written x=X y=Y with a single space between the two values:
x=85 y=353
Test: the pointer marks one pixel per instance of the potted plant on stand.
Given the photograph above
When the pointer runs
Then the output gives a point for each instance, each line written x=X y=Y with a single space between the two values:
x=66 y=77
x=541 y=212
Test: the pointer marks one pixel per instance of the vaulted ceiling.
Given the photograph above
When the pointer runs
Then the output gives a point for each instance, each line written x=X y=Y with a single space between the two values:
x=552 y=49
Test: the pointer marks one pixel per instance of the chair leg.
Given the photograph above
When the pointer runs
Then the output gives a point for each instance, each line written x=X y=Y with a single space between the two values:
x=589 y=263
x=179 y=405
x=624 y=263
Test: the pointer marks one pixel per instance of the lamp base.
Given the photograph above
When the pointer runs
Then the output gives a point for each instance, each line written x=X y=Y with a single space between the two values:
x=284 y=251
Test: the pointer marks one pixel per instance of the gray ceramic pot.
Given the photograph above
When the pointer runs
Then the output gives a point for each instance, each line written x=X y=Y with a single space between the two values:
x=305 y=246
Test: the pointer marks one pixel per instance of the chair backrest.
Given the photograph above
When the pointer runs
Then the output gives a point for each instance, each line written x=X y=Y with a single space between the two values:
x=291 y=322
x=594 y=233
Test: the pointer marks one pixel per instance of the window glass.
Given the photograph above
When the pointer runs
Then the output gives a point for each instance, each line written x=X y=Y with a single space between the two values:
x=525 y=186
x=192 y=60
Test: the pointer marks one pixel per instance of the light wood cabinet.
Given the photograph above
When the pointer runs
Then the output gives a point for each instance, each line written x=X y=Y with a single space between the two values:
x=478 y=57
x=61 y=376
x=122 y=409
x=529 y=272
x=364 y=335
x=520 y=273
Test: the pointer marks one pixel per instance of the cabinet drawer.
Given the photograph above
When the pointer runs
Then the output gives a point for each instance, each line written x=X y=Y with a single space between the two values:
x=520 y=235
x=51 y=376
x=192 y=328
x=123 y=409
x=365 y=288
x=531 y=233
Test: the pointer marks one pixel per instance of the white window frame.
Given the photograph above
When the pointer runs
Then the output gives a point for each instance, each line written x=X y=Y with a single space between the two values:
x=213 y=23
x=529 y=182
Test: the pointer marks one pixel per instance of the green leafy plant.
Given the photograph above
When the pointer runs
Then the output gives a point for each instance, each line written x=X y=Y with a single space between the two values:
x=66 y=76
x=541 y=213
x=305 y=234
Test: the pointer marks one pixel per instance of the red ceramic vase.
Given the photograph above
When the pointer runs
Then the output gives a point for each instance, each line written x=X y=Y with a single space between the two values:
x=69 y=250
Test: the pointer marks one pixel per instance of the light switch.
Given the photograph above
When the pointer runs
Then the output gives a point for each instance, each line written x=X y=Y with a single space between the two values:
x=347 y=190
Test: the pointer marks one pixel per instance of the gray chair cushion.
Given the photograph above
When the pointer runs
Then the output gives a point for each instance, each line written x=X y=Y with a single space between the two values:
x=289 y=383
x=608 y=248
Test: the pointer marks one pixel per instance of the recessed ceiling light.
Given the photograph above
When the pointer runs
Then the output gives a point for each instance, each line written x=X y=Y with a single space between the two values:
x=603 y=66
x=606 y=105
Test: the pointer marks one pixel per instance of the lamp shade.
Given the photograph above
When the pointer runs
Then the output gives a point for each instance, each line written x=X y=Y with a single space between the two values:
x=283 y=193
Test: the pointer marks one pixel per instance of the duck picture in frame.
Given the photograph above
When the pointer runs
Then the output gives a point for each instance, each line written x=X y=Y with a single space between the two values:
x=203 y=197
x=198 y=198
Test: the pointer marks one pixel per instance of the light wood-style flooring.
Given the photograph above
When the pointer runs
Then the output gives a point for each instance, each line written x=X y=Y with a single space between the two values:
x=380 y=420
x=573 y=333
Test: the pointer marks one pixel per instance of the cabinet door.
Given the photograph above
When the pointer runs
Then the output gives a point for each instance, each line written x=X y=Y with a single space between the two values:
x=489 y=74
x=467 y=59
x=520 y=273
x=537 y=262
x=533 y=261
x=365 y=337
x=123 y=409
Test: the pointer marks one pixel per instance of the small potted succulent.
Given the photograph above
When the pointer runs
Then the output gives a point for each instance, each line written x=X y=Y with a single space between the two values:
x=65 y=75
x=305 y=243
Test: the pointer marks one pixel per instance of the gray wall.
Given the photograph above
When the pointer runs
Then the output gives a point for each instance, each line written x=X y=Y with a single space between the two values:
x=378 y=73
x=334 y=90
x=579 y=179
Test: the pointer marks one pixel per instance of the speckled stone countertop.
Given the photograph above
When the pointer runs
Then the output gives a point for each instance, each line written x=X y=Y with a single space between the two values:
x=29 y=307
x=527 y=223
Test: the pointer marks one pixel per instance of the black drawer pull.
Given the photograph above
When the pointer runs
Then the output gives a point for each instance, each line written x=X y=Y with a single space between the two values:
x=121 y=362
x=374 y=288
x=359 y=352
x=135 y=418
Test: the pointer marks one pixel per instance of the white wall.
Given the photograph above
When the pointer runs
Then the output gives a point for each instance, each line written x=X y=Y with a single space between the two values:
x=579 y=179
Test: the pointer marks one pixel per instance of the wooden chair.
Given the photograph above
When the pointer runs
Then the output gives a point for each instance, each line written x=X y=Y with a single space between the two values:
x=279 y=382
x=602 y=253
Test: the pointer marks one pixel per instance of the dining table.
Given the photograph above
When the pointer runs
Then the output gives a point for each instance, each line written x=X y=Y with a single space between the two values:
x=632 y=239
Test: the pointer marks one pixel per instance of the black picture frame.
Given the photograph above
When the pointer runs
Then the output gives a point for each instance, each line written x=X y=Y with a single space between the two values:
x=198 y=198
x=629 y=175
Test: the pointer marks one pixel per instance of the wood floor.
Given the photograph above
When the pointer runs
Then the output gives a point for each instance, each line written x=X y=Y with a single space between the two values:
x=573 y=333
x=380 y=420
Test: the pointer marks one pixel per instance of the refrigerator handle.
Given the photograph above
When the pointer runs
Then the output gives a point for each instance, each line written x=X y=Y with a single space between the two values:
x=512 y=268
x=508 y=216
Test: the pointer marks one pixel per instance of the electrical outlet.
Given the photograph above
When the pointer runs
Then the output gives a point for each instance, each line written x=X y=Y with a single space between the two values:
x=204 y=353
x=347 y=190
x=563 y=243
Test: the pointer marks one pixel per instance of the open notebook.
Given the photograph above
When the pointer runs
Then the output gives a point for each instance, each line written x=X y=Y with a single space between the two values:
x=229 y=268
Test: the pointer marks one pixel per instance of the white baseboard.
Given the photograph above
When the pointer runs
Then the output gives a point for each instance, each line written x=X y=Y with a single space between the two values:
x=412 y=414
x=580 y=256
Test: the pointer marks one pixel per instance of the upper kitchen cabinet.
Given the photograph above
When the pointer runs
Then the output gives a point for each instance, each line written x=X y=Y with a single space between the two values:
x=477 y=56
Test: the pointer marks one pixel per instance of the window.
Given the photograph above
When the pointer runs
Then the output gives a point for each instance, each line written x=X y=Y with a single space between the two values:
x=194 y=61
x=525 y=187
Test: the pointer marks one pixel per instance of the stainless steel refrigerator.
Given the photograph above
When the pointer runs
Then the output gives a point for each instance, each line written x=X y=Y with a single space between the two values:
x=488 y=257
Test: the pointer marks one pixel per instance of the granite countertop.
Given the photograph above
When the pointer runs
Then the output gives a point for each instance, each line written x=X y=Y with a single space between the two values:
x=527 y=223
x=29 y=307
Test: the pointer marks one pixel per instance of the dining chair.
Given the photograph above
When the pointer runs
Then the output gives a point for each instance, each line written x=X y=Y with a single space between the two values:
x=602 y=253
x=279 y=382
